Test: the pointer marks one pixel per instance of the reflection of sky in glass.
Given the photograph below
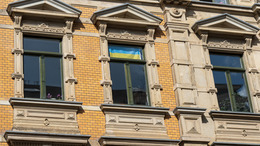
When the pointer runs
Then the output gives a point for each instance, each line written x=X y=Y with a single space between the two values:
x=238 y=82
x=41 y=44
x=225 y=60
x=221 y=1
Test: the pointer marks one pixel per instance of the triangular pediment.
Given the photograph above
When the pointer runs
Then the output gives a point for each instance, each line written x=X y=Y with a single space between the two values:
x=224 y=23
x=128 y=12
x=43 y=5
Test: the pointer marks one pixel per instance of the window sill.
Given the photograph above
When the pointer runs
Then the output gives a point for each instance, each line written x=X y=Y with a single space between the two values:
x=234 y=115
x=110 y=140
x=132 y=120
x=33 y=138
x=45 y=116
x=236 y=127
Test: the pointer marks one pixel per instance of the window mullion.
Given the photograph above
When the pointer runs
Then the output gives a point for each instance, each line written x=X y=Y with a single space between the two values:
x=128 y=83
x=42 y=77
x=231 y=91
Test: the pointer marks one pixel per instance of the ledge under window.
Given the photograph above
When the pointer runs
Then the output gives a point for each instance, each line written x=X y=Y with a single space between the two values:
x=134 y=121
x=34 y=138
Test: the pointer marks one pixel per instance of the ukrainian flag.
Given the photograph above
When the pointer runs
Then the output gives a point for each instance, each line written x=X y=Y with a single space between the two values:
x=127 y=52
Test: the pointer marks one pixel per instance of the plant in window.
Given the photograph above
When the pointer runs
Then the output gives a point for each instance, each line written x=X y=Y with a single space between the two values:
x=42 y=68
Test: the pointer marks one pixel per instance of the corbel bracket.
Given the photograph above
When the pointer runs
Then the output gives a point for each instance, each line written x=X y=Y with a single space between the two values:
x=106 y=82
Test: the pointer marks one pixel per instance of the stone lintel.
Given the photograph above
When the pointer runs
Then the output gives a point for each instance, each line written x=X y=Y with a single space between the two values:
x=232 y=144
x=234 y=115
x=181 y=26
x=45 y=13
x=35 y=138
x=127 y=22
x=109 y=141
x=134 y=108
x=189 y=110
x=30 y=102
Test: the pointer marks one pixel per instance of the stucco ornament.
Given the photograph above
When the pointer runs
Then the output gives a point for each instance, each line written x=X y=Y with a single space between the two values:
x=176 y=13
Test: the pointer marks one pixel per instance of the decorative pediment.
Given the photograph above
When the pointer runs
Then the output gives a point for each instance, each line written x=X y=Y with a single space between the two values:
x=54 y=8
x=225 y=24
x=126 y=14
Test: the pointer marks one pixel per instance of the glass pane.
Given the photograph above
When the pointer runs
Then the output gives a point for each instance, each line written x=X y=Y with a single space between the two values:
x=138 y=81
x=221 y=1
x=119 y=90
x=53 y=78
x=223 y=95
x=240 y=92
x=123 y=51
x=31 y=76
x=225 y=60
x=41 y=44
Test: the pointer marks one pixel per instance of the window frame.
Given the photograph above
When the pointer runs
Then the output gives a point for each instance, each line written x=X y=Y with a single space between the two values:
x=213 y=1
x=127 y=62
x=229 y=84
x=42 y=55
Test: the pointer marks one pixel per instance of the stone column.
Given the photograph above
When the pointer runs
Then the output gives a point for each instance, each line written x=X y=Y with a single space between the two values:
x=18 y=58
x=152 y=63
x=104 y=59
x=68 y=56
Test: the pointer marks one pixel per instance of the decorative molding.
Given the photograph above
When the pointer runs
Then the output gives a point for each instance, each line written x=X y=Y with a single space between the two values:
x=17 y=76
x=157 y=86
x=104 y=58
x=43 y=28
x=125 y=35
x=153 y=62
x=225 y=44
x=106 y=82
x=17 y=51
x=131 y=120
x=69 y=55
x=177 y=13
x=119 y=140
x=38 y=138
x=49 y=116
x=71 y=80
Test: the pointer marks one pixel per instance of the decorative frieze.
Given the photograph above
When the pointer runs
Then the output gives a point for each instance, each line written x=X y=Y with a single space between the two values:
x=236 y=126
x=42 y=28
x=51 y=116
x=129 y=121
x=125 y=35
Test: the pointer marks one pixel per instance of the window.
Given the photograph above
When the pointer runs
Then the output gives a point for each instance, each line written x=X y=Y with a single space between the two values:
x=128 y=74
x=217 y=1
x=42 y=68
x=230 y=81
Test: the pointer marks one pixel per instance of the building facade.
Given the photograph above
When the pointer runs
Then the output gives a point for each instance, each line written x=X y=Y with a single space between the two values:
x=134 y=72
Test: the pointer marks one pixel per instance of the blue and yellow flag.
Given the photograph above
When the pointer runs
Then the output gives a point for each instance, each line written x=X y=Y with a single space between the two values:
x=128 y=52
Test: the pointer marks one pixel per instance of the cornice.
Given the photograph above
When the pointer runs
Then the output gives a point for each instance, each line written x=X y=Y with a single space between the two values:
x=134 y=108
x=224 y=8
x=234 y=115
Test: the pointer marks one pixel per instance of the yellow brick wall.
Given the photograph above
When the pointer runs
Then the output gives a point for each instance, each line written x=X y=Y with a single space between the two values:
x=4 y=3
x=6 y=120
x=6 y=64
x=167 y=94
x=87 y=70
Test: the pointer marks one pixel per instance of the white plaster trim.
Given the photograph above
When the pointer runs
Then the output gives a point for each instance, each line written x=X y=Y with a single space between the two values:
x=4 y=102
x=91 y=108
x=86 y=34
x=3 y=12
x=85 y=20
x=4 y=26
x=171 y=113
